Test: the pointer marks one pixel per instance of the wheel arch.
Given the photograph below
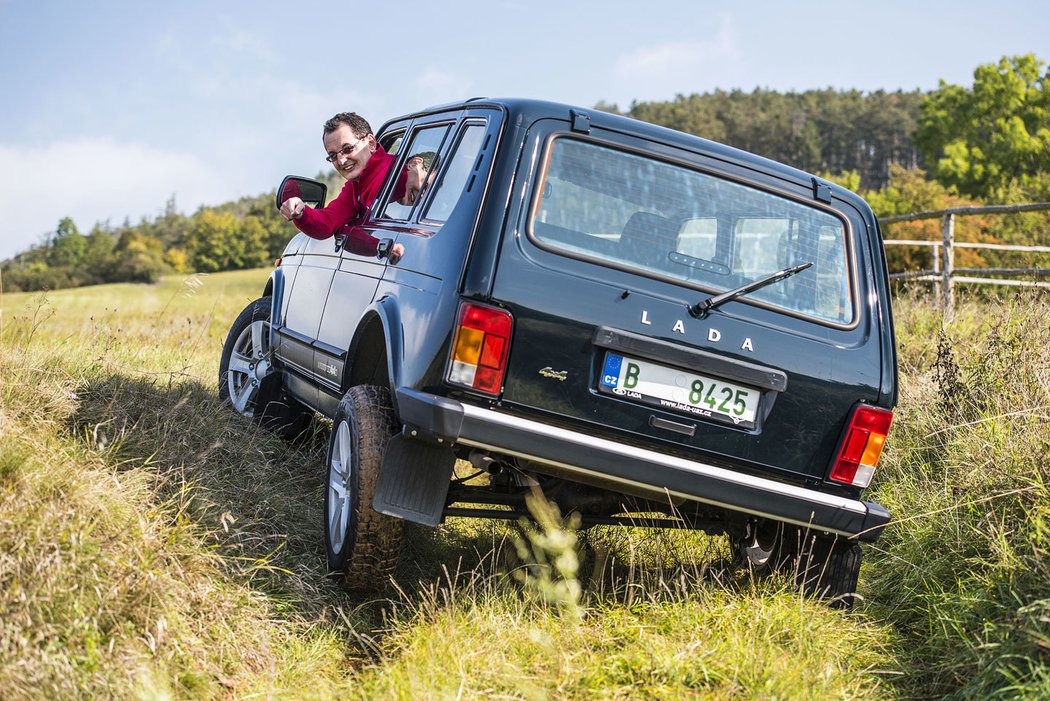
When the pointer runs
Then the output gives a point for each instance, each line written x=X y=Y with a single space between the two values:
x=376 y=351
x=274 y=289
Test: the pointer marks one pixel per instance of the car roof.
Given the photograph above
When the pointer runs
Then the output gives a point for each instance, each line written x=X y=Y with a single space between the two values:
x=530 y=110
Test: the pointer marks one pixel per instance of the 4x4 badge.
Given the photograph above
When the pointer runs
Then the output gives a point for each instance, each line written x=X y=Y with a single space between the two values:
x=560 y=375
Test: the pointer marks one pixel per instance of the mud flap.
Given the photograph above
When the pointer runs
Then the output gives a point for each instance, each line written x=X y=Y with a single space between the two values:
x=414 y=480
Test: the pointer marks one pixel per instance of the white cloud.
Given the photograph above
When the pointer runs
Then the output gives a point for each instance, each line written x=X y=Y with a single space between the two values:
x=433 y=86
x=93 y=180
x=660 y=71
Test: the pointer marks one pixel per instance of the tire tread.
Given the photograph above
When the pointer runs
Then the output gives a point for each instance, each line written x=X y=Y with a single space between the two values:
x=373 y=543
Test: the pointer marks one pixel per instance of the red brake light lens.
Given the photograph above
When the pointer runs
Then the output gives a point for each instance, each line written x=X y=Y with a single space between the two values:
x=862 y=446
x=479 y=349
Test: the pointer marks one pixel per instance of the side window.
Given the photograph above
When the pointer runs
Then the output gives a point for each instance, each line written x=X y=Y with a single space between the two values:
x=416 y=168
x=461 y=164
x=392 y=142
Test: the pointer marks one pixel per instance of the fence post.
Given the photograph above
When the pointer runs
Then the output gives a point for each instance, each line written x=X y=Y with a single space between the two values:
x=948 y=265
x=936 y=255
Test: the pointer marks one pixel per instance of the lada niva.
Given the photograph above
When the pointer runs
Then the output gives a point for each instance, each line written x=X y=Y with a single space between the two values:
x=639 y=322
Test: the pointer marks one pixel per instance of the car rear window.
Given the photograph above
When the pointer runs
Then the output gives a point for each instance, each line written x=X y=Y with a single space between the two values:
x=672 y=222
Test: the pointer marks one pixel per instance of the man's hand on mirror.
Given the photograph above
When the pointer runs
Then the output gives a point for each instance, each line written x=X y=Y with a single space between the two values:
x=292 y=208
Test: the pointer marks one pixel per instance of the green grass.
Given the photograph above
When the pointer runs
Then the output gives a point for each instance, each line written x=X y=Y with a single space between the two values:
x=964 y=578
x=152 y=545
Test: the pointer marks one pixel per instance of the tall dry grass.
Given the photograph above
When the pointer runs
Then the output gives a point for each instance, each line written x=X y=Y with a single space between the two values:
x=143 y=530
x=963 y=577
x=152 y=545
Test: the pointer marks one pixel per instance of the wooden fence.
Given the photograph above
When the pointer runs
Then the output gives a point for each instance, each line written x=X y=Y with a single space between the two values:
x=943 y=273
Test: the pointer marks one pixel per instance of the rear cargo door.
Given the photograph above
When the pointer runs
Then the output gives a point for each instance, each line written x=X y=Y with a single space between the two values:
x=613 y=249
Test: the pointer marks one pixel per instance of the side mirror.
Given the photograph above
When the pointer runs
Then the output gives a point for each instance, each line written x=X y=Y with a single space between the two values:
x=309 y=191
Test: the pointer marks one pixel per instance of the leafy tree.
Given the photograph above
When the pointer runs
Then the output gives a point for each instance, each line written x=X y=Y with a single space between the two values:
x=98 y=253
x=220 y=241
x=67 y=246
x=849 y=179
x=277 y=231
x=910 y=191
x=610 y=107
x=137 y=258
x=66 y=227
x=178 y=260
x=817 y=130
x=991 y=140
x=255 y=239
x=693 y=114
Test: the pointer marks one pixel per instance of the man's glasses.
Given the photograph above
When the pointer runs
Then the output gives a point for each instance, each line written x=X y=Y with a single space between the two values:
x=346 y=151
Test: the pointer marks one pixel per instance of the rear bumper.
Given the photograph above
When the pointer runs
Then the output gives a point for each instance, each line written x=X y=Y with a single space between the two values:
x=604 y=460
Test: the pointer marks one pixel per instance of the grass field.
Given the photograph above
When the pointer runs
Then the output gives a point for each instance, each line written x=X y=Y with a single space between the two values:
x=152 y=545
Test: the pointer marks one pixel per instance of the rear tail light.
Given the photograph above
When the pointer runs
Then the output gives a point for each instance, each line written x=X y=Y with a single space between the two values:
x=479 y=350
x=862 y=446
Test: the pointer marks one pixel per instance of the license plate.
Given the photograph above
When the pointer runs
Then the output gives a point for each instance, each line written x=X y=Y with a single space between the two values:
x=679 y=390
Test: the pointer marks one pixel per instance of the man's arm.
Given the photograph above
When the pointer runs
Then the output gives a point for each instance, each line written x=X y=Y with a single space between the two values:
x=323 y=223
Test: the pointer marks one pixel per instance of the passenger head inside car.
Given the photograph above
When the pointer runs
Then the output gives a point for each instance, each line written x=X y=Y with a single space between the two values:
x=420 y=168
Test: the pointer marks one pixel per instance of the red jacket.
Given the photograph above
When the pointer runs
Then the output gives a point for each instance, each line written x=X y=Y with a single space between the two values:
x=351 y=207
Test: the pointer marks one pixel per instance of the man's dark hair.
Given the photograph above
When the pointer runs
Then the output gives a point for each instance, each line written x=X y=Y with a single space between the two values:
x=356 y=122
x=426 y=156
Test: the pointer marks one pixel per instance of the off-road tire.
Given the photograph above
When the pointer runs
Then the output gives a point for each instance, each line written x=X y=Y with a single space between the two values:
x=823 y=566
x=257 y=394
x=362 y=545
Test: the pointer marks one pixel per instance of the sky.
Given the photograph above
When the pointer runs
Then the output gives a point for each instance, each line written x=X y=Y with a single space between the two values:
x=110 y=109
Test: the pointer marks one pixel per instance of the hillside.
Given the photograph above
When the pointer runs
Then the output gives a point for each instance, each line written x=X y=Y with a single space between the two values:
x=154 y=545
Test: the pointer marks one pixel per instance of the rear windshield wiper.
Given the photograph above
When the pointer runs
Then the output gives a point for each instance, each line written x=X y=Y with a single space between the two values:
x=701 y=309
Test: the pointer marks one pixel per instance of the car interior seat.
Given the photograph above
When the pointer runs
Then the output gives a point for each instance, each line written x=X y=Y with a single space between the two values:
x=648 y=239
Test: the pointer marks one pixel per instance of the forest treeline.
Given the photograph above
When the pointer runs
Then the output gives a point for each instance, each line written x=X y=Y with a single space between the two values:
x=247 y=233
x=817 y=130
x=987 y=143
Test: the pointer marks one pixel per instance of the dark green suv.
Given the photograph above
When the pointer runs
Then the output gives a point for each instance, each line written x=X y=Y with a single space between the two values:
x=633 y=320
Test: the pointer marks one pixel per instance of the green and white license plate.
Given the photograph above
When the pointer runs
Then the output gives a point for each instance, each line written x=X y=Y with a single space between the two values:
x=682 y=391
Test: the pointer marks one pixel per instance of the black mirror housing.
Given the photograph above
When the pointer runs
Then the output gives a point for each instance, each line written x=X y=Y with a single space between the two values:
x=311 y=192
